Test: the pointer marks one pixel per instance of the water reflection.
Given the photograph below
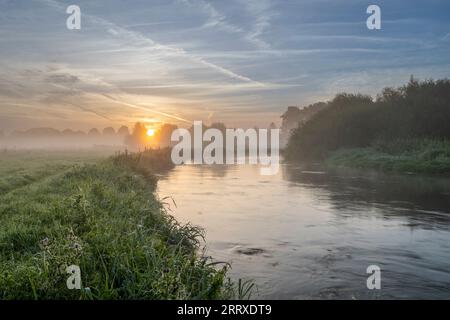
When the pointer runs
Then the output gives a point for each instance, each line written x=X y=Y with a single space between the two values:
x=311 y=233
x=422 y=201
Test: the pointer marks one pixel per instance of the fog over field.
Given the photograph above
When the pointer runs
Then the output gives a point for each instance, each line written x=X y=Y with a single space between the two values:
x=49 y=138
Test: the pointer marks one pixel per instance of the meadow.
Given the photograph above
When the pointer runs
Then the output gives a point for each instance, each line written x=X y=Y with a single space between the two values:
x=101 y=214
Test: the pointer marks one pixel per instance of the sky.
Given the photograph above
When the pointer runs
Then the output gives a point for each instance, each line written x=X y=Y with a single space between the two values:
x=241 y=62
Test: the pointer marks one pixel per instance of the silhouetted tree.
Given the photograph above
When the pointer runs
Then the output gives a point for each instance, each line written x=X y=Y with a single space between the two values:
x=138 y=138
x=163 y=134
x=109 y=131
x=94 y=132
x=123 y=131
x=219 y=125
x=68 y=132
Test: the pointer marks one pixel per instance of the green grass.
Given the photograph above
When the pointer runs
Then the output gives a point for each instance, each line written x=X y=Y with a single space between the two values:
x=19 y=168
x=104 y=217
x=403 y=155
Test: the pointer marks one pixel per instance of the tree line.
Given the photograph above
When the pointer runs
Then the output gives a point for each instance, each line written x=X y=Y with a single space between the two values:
x=48 y=132
x=416 y=110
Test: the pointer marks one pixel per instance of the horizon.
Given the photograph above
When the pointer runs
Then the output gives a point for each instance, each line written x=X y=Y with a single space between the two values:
x=101 y=129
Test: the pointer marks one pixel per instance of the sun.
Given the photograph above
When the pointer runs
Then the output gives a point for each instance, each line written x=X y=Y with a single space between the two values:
x=150 y=132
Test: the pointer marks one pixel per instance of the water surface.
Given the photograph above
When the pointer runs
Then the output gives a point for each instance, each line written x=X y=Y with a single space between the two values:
x=309 y=233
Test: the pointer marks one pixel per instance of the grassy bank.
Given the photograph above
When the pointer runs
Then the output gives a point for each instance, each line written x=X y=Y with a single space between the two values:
x=104 y=218
x=404 y=155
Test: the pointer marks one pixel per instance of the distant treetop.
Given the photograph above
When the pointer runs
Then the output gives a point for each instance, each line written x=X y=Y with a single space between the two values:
x=123 y=131
x=109 y=131
x=94 y=132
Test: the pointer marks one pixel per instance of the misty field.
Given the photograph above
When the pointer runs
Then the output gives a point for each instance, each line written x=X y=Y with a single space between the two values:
x=100 y=213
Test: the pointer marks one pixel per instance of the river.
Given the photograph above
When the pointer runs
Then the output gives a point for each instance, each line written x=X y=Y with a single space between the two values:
x=310 y=233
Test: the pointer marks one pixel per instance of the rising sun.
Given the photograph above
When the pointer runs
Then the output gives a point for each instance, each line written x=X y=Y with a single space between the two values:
x=151 y=132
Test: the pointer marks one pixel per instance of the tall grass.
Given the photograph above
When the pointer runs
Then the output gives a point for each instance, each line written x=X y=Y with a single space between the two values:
x=105 y=218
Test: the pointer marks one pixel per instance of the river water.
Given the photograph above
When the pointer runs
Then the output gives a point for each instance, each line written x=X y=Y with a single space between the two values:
x=309 y=233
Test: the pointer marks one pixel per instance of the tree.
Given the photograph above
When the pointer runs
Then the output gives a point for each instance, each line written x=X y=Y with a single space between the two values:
x=219 y=125
x=68 y=132
x=123 y=131
x=138 y=138
x=163 y=135
x=109 y=131
x=93 y=132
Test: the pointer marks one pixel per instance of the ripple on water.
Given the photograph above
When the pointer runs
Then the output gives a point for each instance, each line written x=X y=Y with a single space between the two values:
x=249 y=251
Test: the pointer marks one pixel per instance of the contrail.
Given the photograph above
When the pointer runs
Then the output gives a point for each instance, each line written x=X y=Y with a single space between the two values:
x=135 y=106
x=91 y=111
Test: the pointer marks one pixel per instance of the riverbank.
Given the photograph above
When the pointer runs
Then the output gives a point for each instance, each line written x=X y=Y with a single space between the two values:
x=103 y=217
x=407 y=156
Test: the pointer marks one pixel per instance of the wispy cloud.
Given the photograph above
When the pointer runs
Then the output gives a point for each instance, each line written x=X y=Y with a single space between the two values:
x=258 y=11
x=141 y=40
x=262 y=12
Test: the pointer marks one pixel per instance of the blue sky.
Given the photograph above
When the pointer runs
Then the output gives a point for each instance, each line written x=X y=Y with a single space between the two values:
x=238 y=61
